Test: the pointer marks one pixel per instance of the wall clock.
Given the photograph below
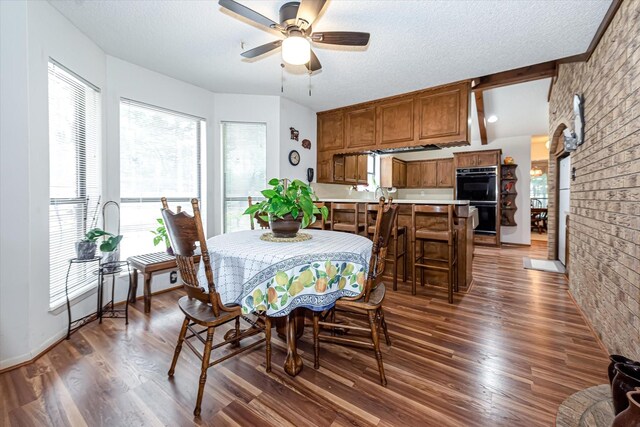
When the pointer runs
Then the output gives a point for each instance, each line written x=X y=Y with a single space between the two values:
x=294 y=158
x=578 y=123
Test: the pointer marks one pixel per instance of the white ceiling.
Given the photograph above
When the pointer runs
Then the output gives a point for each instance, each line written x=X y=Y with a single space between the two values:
x=414 y=44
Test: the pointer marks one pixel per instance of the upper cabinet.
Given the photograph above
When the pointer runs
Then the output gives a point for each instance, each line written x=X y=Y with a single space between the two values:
x=445 y=173
x=393 y=172
x=331 y=131
x=433 y=116
x=360 y=126
x=442 y=115
x=395 y=122
x=477 y=158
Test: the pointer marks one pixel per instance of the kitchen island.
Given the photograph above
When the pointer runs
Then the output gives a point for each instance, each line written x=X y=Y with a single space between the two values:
x=466 y=220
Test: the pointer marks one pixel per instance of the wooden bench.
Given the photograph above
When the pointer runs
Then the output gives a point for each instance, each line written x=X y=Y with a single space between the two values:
x=148 y=264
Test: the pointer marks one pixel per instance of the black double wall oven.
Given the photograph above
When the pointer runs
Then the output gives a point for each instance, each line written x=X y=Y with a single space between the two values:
x=480 y=186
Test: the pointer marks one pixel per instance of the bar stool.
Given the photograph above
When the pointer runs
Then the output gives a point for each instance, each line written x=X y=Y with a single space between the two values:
x=321 y=223
x=337 y=224
x=371 y=212
x=435 y=234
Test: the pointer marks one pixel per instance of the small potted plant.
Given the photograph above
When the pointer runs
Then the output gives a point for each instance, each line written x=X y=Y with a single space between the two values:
x=160 y=235
x=288 y=207
x=110 y=250
x=86 y=248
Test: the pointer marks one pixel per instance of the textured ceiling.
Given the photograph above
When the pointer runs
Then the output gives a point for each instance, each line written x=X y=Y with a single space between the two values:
x=414 y=44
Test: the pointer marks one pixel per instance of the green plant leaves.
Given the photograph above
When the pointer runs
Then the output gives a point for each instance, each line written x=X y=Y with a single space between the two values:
x=111 y=244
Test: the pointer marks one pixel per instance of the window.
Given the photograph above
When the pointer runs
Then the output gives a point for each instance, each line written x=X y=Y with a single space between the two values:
x=159 y=156
x=74 y=139
x=538 y=186
x=245 y=170
x=373 y=174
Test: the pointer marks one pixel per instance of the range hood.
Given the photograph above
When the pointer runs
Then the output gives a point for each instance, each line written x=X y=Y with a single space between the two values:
x=429 y=147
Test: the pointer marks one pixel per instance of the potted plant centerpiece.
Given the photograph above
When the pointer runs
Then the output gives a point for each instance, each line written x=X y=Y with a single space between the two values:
x=288 y=207
x=160 y=235
x=108 y=247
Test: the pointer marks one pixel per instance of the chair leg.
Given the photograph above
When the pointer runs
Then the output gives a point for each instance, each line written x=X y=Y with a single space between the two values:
x=333 y=320
x=414 y=269
x=376 y=345
x=176 y=353
x=422 y=269
x=203 y=371
x=450 y=274
x=383 y=323
x=395 y=263
x=267 y=337
x=316 y=339
x=405 y=259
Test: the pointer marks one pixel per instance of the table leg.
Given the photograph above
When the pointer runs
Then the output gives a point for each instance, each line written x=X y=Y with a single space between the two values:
x=134 y=286
x=293 y=362
x=147 y=292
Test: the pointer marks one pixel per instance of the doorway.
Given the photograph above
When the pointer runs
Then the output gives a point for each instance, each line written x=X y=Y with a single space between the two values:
x=564 y=207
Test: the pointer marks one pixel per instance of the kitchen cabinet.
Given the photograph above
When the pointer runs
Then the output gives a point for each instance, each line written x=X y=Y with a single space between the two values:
x=331 y=131
x=325 y=170
x=477 y=158
x=360 y=127
x=442 y=115
x=428 y=172
x=445 y=173
x=338 y=169
x=351 y=169
x=363 y=163
x=393 y=172
x=414 y=174
x=395 y=122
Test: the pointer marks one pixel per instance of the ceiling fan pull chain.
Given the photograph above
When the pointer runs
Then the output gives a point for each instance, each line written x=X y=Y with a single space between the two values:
x=309 y=74
x=281 y=78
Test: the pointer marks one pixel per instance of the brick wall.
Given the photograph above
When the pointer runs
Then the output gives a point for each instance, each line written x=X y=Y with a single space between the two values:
x=604 y=239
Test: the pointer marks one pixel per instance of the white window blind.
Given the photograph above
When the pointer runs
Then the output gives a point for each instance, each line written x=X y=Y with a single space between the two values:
x=159 y=156
x=74 y=139
x=245 y=170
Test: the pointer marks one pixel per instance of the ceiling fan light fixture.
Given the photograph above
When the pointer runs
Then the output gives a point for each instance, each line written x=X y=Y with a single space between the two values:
x=296 y=50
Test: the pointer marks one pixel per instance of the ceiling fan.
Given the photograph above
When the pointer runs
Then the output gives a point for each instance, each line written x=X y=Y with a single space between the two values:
x=296 y=19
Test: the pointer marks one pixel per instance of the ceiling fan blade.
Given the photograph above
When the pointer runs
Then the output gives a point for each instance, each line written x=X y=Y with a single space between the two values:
x=250 y=14
x=314 y=63
x=345 y=38
x=260 y=50
x=309 y=10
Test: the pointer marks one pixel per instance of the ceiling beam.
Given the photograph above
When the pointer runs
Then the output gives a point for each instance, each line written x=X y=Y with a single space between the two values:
x=481 y=120
x=518 y=75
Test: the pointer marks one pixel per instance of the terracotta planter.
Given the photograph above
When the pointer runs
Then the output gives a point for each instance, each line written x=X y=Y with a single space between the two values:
x=630 y=417
x=286 y=226
x=616 y=358
x=627 y=378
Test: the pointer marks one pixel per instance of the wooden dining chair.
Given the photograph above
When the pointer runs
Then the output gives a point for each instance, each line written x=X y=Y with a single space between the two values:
x=255 y=218
x=399 y=252
x=203 y=307
x=368 y=302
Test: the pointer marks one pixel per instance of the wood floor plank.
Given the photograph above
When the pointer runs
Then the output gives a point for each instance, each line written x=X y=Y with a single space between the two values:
x=506 y=353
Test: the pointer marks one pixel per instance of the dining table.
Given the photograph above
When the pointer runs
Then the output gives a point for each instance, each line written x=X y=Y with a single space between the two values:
x=282 y=279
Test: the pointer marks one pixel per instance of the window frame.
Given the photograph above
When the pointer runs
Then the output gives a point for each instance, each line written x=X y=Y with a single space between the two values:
x=226 y=199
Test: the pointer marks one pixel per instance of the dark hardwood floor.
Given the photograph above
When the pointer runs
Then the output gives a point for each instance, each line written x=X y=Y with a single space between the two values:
x=506 y=353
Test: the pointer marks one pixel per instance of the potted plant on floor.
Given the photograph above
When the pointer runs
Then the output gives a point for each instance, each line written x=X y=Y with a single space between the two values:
x=160 y=235
x=288 y=207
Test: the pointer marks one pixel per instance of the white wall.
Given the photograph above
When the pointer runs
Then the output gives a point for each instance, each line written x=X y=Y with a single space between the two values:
x=518 y=147
x=304 y=120
x=15 y=241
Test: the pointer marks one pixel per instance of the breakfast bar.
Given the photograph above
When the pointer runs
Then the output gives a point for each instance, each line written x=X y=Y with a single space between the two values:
x=465 y=221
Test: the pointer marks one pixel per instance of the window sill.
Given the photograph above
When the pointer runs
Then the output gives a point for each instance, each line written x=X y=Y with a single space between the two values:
x=60 y=305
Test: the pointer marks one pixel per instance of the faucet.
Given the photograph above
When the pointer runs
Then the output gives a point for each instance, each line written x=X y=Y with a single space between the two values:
x=382 y=193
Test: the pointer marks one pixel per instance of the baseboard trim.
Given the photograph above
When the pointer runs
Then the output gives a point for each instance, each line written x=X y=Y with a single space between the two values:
x=588 y=323
x=58 y=338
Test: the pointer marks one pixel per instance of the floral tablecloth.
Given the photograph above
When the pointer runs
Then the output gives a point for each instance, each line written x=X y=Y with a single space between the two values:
x=279 y=277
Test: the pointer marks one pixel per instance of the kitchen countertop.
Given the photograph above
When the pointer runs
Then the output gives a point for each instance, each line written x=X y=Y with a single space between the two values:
x=401 y=201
